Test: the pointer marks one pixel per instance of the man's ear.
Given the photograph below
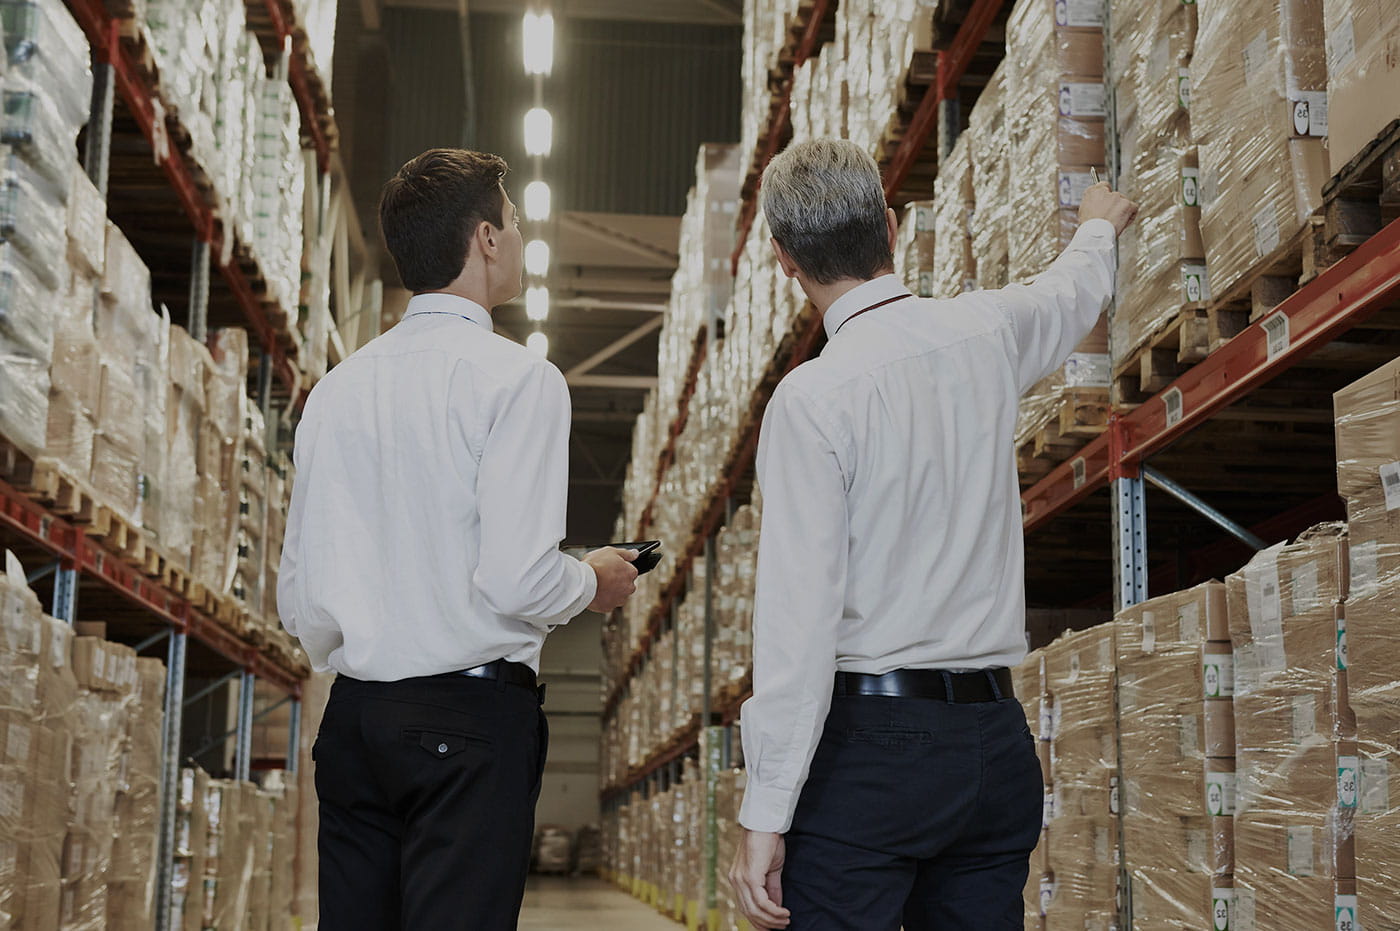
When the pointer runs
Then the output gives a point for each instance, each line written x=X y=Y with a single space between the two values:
x=487 y=239
x=892 y=221
x=785 y=261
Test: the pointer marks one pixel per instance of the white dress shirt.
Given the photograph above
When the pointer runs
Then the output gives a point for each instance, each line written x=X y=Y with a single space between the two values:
x=891 y=531
x=428 y=505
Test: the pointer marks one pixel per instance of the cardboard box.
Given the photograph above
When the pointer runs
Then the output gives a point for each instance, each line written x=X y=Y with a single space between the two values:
x=1368 y=432
x=1363 y=75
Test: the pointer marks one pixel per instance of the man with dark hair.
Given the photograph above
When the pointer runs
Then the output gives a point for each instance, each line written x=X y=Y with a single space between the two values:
x=422 y=565
x=892 y=780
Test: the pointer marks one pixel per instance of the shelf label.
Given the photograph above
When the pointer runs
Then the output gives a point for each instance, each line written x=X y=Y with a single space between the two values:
x=1175 y=406
x=100 y=560
x=1347 y=767
x=1080 y=471
x=1390 y=481
x=45 y=524
x=1276 y=334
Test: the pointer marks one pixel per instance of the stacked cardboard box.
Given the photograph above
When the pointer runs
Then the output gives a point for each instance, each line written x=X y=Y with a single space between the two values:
x=1161 y=258
x=1259 y=116
x=915 y=254
x=131 y=882
x=1081 y=835
x=954 y=267
x=729 y=795
x=876 y=40
x=1363 y=75
x=736 y=566
x=1368 y=476
x=989 y=142
x=1178 y=789
x=1292 y=844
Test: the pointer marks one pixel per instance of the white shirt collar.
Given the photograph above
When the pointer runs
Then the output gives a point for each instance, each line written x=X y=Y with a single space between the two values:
x=858 y=298
x=439 y=303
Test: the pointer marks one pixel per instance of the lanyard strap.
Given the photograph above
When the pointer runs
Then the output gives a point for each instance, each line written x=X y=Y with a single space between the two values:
x=440 y=313
x=866 y=310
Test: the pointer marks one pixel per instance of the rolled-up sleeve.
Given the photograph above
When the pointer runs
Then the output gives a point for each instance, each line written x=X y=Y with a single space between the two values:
x=522 y=493
x=798 y=605
x=1053 y=314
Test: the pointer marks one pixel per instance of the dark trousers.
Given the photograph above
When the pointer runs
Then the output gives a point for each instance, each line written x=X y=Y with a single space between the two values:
x=918 y=813
x=427 y=792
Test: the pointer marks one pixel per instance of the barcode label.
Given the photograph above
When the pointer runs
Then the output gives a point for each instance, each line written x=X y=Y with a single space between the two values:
x=1390 y=481
x=1080 y=472
x=1276 y=335
x=1175 y=408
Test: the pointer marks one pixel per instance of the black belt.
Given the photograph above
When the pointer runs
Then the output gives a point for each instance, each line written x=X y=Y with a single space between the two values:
x=959 y=687
x=502 y=671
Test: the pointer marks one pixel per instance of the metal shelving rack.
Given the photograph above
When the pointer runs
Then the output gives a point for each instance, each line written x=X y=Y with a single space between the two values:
x=81 y=568
x=1340 y=299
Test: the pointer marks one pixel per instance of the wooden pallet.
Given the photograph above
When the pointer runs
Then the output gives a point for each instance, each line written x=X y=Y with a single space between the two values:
x=1079 y=416
x=1360 y=199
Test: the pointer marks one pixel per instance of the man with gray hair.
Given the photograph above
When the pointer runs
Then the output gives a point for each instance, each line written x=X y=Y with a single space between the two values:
x=892 y=780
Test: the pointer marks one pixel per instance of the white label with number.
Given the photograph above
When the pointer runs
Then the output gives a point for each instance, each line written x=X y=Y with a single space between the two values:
x=1191 y=187
x=1087 y=14
x=1220 y=901
x=1390 y=481
x=1082 y=99
x=1266 y=231
x=924 y=219
x=1047 y=895
x=1080 y=472
x=1183 y=87
x=1341 y=643
x=1219 y=672
x=1195 y=283
x=1073 y=184
x=1309 y=110
x=1220 y=794
x=1276 y=335
x=1346 y=913
x=1347 y=776
x=1174 y=405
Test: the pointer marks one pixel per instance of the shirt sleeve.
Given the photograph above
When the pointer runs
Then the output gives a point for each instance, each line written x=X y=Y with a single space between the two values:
x=287 y=578
x=1053 y=314
x=522 y=496
x=798 y=605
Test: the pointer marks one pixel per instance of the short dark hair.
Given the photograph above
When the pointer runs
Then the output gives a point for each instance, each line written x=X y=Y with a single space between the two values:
x=430 y=208
x=825 y=206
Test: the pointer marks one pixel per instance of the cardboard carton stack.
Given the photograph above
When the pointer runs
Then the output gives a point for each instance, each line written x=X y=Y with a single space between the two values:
x=249 y=578
x=1178 y=766
x=1081 y=835
x=219 y=462
x=1292 y=842
x=989 y=142
x=136 y=824
x=1162 y=266
x=1368 y=477
x=48 y=88
x=1363 y=75
x=191 y=850
x=729 y=795
x=915 y=255
x=1259 y=116
x=736 y=565
x=954 y=266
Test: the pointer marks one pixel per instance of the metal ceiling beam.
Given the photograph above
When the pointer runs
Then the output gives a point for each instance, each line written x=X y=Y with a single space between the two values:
x=618 y=239
x=613 y=348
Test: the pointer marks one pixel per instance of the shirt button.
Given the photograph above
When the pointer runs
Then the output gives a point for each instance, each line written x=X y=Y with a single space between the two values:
x=442 y=748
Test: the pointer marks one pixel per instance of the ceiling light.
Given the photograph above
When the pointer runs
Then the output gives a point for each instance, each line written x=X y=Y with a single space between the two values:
x=539 y=131
x=537 y=303
x=537 y=257
x=538 y=343
x=537 y=201
x=538 y=43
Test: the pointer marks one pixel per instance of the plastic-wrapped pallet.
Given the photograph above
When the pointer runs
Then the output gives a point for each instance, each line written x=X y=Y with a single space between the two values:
x=1081 y=846
x=1292 y=843
x=186 y=403
x=1368 y=476
x=990 y=154
x=736 y=558
x=131 y=882
x=1178 y=799
x=26 y=347
x=1055 y=109
x=954 y=267
x=191 y=848
x=48 y=85
x=220 y=461
x=1363 y=74
x=1259 y=115
x=914 y=248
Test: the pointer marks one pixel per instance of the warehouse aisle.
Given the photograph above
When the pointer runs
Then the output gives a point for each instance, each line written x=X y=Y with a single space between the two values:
x=553 y=904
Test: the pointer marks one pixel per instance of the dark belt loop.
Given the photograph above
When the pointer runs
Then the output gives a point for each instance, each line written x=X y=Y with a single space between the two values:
x=948 y=684
x=992 y=678
x=539 y=692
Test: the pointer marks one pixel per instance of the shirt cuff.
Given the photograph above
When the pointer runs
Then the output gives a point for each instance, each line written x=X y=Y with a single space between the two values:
x=767 y=809
x=1093 y=231
x=590 y=588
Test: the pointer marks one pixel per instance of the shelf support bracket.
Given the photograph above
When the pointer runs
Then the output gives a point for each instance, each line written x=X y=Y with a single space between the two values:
x=65 y=594
x=243 y=750
x=1191 y=500
x=170 y=776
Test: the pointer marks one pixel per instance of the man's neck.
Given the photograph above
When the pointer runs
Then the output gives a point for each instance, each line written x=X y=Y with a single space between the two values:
x=477 y=294
x=824 y=295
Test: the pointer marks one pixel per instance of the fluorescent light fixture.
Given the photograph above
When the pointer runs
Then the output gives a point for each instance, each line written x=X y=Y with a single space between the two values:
x=537 y=343
x=537 y=201
x=537 y=303
x=539 y=131
x=537 y=257
x=538 y=41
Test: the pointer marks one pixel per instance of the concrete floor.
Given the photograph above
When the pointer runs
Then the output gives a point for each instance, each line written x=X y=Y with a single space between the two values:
x=555 y=904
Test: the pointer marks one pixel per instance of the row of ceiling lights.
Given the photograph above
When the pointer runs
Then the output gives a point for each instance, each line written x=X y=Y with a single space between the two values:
x=538 y=48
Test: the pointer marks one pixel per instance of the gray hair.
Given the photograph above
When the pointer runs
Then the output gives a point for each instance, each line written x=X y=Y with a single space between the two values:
x=826 y=207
